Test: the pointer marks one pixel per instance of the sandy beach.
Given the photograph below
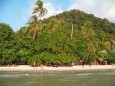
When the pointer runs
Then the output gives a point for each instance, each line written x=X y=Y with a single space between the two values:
x=45 y=68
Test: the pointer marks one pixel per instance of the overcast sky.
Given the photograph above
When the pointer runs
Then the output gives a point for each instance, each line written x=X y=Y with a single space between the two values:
x=16 y=12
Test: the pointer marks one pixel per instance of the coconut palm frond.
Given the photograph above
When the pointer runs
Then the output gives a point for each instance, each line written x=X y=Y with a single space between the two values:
x=34 y=18
x=36 y=10
x=43 y=12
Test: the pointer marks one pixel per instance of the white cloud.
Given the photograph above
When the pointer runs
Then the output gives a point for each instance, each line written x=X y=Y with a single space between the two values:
x=51 y=10
x=100 y=8
x=82 y=5
x=110 y=13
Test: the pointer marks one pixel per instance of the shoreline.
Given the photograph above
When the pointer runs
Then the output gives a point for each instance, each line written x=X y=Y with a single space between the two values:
x=20 y=68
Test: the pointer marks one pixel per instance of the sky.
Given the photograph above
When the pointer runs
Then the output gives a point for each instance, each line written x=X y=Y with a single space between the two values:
x=17 y=12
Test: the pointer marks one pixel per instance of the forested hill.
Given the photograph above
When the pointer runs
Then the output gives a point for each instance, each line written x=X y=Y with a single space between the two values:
x=78 y=18
x=69 y=37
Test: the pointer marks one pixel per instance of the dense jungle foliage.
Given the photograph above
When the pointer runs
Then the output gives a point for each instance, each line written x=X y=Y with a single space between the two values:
x=70 y=37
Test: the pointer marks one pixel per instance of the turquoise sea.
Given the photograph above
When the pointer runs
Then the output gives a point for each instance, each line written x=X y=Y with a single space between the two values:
x=66 y=78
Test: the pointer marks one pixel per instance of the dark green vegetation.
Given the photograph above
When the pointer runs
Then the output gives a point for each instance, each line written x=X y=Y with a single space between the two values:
x=70 y=37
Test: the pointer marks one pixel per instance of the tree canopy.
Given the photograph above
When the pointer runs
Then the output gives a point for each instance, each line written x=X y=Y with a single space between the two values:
x=69 y=37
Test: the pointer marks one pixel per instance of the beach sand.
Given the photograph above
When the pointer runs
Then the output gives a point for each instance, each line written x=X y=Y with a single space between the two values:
x=45 y=68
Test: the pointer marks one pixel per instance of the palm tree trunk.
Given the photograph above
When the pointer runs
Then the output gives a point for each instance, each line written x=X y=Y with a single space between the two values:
x=72 y=31
x=34 y=35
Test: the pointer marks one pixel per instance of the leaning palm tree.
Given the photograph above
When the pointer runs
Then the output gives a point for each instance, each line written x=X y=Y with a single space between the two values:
x=34 y=26
x=53 y=24
x=110 y=44
x=22 y=32
x=38 y=12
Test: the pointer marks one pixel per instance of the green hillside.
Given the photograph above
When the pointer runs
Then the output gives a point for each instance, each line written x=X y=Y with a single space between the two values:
x=78 y=18
x=70 y=37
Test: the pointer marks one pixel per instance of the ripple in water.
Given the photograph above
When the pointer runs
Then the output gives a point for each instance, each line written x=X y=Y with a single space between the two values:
x=13 y=75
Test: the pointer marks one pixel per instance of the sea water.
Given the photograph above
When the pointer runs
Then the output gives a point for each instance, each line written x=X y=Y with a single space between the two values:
x=67 y=78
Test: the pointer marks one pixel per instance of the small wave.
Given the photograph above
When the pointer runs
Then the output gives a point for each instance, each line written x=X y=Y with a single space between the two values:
x=83 y=74
x=27 y=74
x=13 y=75
x=109 y=73
x=4 y=76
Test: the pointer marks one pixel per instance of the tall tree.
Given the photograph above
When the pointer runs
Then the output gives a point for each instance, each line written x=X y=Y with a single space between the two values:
x=34 y=26
x=38 y=12
x=7 y=44
x=87 y=30
x=88 y=35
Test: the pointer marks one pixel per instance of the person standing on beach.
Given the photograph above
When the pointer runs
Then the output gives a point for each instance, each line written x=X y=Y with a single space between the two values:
x=41 y=68
x=34 y=65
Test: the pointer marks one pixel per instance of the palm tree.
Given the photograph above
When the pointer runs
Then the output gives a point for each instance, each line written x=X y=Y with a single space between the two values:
x=33 y=22
x=88 y=35
x=110 y=44
x=53 y=24
x=34 y=26
x=87 y=30
x=22 y=32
